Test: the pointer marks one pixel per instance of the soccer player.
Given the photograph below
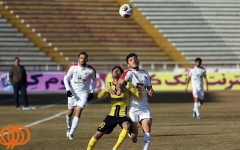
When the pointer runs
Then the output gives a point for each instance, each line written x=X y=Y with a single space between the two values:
x=196 y=75
x=139 y=110
x=118 y=113
x=78 y=91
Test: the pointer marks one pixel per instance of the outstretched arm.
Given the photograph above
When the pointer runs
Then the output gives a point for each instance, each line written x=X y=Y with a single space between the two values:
x=104 y=92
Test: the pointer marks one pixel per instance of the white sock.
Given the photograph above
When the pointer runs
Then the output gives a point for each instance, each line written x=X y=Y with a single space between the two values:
x=69 y=121
x=146 y=141
x=74 y=124
x=196 y=108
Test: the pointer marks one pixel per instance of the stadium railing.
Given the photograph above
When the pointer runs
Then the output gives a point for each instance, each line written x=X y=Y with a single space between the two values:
x=106 y=66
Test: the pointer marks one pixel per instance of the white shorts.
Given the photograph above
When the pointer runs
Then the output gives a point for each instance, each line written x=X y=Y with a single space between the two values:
x=198 y=93
x=80 y=100
x=137 y=115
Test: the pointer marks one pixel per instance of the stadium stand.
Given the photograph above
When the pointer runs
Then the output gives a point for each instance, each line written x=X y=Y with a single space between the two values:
x=14 y=44
x=198 y=28
x=87 y=25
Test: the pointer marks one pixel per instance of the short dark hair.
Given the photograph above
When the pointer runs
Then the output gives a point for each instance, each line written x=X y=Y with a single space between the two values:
x=130 y=55
x=198 y=59
x=16 y=58
x=120 y=68
x=83 y=53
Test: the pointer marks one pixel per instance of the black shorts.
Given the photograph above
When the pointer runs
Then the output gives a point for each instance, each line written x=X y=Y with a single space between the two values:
x=110 y=122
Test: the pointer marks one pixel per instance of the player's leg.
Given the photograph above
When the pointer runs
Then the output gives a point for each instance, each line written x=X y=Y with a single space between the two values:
x=134 y=132
x=71 y=106
x=195 y=94
x=126 y=125
x=81 y=102
x=200 y=101
x=106 y=127
x=93 y=141
x=69 y=119
x=146 y=123
x=134 y=128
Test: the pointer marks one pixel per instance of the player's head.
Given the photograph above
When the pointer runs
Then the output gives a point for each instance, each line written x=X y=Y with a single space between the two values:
x=117 y=71
x=198 y=62
x=83 y=58
x=132 y=61
x=16 y=61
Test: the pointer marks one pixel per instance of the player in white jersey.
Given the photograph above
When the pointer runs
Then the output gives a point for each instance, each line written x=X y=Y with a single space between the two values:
x=139 y=109
x=196 y=75
x=78 y=91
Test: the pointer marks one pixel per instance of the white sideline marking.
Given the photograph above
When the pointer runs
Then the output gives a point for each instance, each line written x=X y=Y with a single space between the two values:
x=56 y=115
x=51 y=105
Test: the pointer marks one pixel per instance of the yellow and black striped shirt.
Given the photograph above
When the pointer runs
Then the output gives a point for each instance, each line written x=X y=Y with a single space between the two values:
x=120 y=103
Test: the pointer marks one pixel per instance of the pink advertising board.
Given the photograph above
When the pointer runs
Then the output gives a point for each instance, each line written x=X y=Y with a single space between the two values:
x=45 y=82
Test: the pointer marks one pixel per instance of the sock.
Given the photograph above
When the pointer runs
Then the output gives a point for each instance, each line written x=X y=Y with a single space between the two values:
x=74 y=124
x=69 y=121
x=92 y=143
x=196 y=108
x=121 y=138
x=146 y=141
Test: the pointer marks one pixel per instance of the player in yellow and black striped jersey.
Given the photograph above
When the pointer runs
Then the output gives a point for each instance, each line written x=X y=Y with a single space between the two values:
x=118 y=112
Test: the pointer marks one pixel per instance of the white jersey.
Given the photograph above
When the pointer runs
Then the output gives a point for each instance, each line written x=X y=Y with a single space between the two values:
x=196 y=74
x=136 y=77
x=80 y=78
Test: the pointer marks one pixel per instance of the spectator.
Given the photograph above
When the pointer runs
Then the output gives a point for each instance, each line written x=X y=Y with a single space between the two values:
x=18 y=79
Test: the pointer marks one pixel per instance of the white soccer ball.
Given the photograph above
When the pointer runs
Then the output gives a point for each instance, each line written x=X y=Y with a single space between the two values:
x=126 y=11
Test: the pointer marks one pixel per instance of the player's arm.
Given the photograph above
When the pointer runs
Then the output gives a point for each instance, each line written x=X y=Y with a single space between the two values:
x=134 y=91
x=149 y=86
x=122 y=81
x=205 y=80
x=188 y=80
x=104 y=92
x=66 y=83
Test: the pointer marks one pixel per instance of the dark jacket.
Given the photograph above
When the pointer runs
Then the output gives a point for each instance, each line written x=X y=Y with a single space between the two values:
x=17 y=74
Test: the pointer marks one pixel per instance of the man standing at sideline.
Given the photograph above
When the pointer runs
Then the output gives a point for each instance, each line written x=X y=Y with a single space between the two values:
x=78 y=91
x=139 y=109
x=18 y=78
x=196 y=75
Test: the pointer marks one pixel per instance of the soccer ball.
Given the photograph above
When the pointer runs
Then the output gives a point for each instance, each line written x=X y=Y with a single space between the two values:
x=126 y=11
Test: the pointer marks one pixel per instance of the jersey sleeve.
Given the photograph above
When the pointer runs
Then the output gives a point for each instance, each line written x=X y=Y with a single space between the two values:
x=69 y=72
x=135 y=92
x=126 y=75
x=205 y=72
x=104 y=92
x=94 y=73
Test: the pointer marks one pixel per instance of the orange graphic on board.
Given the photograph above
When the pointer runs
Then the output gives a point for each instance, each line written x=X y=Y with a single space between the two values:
x=15 y=136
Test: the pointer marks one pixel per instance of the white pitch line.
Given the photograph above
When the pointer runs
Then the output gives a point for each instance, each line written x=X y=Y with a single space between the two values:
x=51 y=105
x=55 y=116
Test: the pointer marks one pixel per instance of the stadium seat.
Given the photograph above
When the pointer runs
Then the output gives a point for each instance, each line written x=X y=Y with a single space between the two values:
x=14 y=44
x=197 y=28
x=87 y=25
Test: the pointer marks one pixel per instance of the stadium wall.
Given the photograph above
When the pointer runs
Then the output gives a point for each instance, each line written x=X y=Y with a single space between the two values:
x=53 y=81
